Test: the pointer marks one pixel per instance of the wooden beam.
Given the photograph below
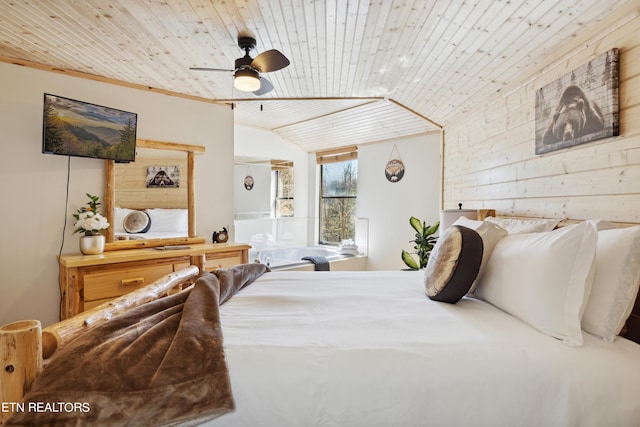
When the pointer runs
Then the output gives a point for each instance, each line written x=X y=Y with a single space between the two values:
x=416 y=113
x=191 y=192
x=97 y=78
x=109 y=198
x=162 y=145
x=152 y=243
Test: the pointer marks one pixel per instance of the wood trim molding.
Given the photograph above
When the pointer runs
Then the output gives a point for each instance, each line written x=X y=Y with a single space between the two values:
x=337 y=155
x=43 y=67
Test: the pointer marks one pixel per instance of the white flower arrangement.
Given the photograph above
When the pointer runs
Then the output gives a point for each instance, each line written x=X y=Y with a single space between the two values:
x=88 y=220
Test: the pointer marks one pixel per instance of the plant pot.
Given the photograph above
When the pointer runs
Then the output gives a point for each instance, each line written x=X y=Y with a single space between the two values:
x=92 y=245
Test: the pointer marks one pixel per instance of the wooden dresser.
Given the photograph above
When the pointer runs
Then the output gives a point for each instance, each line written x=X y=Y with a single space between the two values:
x=89 y=280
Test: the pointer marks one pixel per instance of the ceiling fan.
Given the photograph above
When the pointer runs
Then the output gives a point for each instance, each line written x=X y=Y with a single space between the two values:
x=246 y=74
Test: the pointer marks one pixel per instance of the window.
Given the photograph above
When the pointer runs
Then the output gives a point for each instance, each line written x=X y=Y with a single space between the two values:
x=284 y=192
x=338 y=185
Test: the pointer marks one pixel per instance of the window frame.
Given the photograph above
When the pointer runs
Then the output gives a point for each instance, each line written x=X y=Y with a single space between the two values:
x=322 y=198
x=276 y=199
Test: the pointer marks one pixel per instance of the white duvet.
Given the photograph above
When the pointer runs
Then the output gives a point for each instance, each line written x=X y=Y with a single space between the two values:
x=370 y=349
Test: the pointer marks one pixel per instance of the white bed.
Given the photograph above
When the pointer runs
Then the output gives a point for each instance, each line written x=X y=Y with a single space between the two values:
x=512 y=323
x=370 y=349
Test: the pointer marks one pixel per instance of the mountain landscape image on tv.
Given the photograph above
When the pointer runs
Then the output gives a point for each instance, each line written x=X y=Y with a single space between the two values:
x=76 y=128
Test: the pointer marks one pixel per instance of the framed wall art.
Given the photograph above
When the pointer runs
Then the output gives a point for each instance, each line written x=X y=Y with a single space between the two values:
x=580 y=107
x=163 y=177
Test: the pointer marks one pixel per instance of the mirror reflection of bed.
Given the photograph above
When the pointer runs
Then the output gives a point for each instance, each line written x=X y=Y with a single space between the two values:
x=139 y=186
x=166 y=206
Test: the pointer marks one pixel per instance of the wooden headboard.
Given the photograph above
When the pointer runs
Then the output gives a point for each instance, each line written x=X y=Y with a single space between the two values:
x=632 y=328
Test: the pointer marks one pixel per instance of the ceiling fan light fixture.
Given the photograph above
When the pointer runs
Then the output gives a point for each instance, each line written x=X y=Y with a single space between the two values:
x=246 y=80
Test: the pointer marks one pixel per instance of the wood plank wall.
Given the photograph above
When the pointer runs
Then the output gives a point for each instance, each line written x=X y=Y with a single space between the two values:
x=489 y=153
x=130 y=181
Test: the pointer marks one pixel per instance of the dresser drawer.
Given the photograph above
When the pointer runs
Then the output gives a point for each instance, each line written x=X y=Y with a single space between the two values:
x=229 y=261
x=119 y=281
x=88 y=281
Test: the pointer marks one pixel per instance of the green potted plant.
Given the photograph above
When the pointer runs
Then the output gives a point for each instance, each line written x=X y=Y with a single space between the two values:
x=423 y=244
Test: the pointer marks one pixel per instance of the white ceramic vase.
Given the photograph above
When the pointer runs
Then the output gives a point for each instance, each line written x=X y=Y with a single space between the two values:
x=92 y=245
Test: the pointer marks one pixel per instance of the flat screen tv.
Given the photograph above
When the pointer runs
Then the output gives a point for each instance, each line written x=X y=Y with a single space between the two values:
x=76 y=128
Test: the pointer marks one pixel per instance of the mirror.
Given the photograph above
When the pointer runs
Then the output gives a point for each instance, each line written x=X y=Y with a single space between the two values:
x=256 y=190
x=126 y=187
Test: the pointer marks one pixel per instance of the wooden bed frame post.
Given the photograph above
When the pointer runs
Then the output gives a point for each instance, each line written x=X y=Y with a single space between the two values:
x=24 y=344
x=21 y=356
x=191 y=192
x=484 y=213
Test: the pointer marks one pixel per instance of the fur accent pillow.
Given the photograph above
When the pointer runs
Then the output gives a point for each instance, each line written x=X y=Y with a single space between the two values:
x=137 y=222
x=453 y=264
x=490 y=234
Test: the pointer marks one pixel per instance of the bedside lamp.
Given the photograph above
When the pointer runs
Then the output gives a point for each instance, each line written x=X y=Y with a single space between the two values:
x=449 y=216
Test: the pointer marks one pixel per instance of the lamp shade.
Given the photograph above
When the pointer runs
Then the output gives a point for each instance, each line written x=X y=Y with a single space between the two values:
x=449 y=216
x=246 y=80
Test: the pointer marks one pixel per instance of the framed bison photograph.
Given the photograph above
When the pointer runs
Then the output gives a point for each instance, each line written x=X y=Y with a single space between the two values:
x=579 y=107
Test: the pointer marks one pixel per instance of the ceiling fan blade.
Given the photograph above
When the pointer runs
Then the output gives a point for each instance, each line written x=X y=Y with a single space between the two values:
x=209 y=69
x=265 y=87
x=271 y=60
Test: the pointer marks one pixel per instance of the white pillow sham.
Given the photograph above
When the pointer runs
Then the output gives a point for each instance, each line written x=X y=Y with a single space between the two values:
x=516 y=225
x=543 y=278
x=169 y=220
x=490 y=234
x=615 y=283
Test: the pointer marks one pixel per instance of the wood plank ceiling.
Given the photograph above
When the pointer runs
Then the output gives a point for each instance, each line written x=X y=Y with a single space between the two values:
x=361 y=70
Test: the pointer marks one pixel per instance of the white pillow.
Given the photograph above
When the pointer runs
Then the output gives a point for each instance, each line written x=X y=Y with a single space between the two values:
x=515 y=225
x=615 y=283
x=490 y=234
x=543 y=278
x=169 y=220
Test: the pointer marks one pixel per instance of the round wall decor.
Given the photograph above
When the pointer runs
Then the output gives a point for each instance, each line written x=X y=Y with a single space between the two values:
x=394 y=171
x=248 y=182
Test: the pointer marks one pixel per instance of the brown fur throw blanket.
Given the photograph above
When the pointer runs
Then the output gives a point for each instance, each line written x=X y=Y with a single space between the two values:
x=160 y=364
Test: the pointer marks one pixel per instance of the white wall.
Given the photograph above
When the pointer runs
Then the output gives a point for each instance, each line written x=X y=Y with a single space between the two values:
x=388 y=206
x=34 y=184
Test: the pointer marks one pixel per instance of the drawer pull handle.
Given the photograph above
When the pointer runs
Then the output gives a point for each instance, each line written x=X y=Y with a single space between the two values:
x=134 y=281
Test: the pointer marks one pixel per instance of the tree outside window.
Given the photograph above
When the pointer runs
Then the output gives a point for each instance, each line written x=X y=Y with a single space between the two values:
x=338 y=201
x=284 y=192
